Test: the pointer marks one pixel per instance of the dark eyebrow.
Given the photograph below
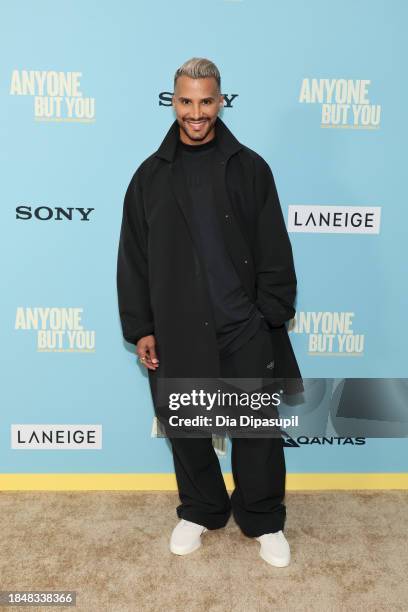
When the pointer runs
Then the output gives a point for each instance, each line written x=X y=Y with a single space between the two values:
x=189 y=99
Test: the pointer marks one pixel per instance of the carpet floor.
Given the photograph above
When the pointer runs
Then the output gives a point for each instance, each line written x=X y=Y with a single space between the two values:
x=349 y=552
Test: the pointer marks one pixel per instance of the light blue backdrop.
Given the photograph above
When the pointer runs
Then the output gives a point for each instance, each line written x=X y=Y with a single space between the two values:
x=127 y=54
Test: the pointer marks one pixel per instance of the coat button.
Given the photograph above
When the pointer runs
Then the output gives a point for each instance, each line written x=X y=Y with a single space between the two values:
x=205 y=322
x=227 y=216
x=245 y=261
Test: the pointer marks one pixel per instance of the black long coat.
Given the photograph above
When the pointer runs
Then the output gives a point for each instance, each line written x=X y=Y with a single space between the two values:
x=161 y=286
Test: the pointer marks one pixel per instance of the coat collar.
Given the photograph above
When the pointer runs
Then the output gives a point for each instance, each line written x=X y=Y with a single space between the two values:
x=227 y=143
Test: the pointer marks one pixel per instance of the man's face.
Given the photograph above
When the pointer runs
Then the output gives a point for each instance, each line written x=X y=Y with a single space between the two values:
x=197 y=104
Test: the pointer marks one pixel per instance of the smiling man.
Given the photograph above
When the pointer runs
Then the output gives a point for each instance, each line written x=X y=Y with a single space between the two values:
x=196 y=115
x=206 y=282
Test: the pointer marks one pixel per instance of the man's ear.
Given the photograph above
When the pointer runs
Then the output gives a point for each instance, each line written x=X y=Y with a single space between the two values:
x=221 y=101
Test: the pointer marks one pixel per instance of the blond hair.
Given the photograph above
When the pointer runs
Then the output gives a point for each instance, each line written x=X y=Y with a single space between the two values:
x=198 y=68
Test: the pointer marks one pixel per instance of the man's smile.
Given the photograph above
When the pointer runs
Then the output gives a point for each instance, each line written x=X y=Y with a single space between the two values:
x=196 y=125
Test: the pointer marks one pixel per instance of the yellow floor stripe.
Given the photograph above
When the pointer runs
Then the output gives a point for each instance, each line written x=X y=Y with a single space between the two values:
x=167 y=482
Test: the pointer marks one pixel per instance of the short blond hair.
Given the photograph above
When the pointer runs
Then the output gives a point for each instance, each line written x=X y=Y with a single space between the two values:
x=198 y=68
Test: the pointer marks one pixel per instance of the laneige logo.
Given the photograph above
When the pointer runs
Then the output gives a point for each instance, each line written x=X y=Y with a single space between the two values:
x=56 y=437
x=334 y=219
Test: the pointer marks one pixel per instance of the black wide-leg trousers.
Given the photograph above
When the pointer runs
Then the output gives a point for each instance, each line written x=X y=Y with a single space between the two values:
x=258 y=464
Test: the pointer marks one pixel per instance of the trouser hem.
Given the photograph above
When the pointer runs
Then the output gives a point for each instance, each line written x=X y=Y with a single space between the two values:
x=204 y=520
x=273 y=525
x=259 y=532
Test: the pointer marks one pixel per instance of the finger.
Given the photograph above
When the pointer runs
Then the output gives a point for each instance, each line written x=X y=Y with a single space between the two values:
x=152 y=354
x=144 y=358
x=146 y=353
x=147 y=363
x=141 y=352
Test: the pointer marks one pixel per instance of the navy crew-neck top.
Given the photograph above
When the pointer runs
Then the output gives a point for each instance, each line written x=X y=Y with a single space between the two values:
x=236 y=318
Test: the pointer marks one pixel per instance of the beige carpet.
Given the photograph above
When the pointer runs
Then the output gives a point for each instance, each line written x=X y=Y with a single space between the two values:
x=349 y=552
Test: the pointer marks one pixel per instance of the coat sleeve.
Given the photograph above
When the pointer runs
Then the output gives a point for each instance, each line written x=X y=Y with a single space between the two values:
x=132 y=267
x=275 y=271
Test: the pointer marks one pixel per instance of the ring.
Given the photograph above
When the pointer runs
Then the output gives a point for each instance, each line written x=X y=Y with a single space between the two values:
x=142 y=359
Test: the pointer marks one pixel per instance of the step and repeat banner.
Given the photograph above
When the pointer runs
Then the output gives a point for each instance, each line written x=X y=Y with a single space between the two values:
x=85 y=97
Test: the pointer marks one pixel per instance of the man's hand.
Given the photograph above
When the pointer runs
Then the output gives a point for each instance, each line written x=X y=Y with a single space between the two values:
x=146 y=351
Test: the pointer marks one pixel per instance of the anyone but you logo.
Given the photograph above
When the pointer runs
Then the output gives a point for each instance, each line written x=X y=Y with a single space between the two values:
x=329 y=333
x=57 y=95
x=344 y=102
x=58 y=329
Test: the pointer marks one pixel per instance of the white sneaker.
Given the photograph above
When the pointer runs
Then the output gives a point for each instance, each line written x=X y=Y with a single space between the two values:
x=186 y=537
x=274 y=549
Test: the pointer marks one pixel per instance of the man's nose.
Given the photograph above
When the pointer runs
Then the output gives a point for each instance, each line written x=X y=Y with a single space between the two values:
x=196 y=112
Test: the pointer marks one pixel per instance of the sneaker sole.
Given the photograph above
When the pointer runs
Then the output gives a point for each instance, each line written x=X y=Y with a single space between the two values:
x=274 y=561
x=180 y=551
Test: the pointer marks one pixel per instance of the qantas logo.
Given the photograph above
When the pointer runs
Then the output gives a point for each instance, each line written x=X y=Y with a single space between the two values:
x=290 y=442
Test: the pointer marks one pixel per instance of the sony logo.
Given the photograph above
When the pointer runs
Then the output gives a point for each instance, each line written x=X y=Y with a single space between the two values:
x=57 y=213
x=165 y=99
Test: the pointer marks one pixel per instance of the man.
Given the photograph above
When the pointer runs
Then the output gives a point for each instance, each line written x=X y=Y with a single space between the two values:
x=206 y=282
